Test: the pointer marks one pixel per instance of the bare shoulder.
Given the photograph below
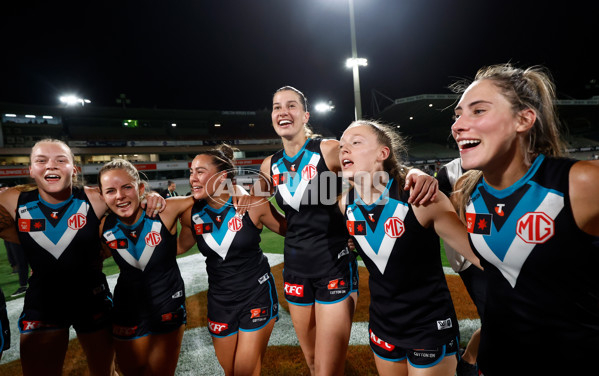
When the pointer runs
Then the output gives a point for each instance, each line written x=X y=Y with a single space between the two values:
x=265 y=166
x=330 y=151
x=583 y=179
x=330 y=146
x=585 y=172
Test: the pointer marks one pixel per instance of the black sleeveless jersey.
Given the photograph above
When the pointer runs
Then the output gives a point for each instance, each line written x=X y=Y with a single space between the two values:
x=543 y=291
x=410 y=303
x=146 y=253
x=235 y=262
x=61 y=243
x=306 y=190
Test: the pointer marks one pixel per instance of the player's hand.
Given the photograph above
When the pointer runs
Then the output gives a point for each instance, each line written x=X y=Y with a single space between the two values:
x=423 y=187
x=154 y=203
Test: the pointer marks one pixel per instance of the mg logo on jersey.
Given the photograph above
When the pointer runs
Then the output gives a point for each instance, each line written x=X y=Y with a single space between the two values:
x=394 y=227
x=294 y=290
x=217 y=327
x=309 y=172
x=235 y=224
x=153 y=239
x=77 y=221
x=380 y=343
x=535 y=228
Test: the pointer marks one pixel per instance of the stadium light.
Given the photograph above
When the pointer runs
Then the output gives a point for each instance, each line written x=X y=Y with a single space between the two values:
x=358 y=61
x=324 y=107
x=71 y=100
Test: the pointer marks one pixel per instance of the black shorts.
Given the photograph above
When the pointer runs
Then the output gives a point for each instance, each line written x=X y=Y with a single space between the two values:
x=86 y=314
x=324 y=290
x=252 y=314
x=4 y=325
x=162 y=322
x=419 y=358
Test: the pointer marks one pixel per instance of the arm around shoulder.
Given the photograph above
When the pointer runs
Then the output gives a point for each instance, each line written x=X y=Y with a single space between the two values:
x=447 y=225
x=584 y=179
x=186 y=238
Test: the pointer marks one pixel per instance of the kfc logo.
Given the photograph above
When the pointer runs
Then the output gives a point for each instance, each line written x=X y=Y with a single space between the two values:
x=217 y=327
x=380 y=343
x=124 y=331
x=294 y=290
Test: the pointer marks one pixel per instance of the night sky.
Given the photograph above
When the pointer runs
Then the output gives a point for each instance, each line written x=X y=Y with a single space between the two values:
x=233 y=54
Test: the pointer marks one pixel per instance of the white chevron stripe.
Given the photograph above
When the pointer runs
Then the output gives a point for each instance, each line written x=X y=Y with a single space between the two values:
x=221 y=249
x=381 y=258
x=146 y=254
x=56 y=249
x=519 y=250
x=295 y=200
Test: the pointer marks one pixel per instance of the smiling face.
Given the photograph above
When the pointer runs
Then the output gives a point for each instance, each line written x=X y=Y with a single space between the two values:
x=122 y=194
x=204 y=177
x=53 y=170
x=360 y=152
x=288 y=114
x=486 y=128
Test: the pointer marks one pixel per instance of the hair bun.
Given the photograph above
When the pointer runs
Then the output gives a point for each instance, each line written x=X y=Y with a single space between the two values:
x=227 y=151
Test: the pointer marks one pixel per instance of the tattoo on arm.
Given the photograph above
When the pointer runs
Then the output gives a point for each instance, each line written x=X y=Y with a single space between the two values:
x=6 y=220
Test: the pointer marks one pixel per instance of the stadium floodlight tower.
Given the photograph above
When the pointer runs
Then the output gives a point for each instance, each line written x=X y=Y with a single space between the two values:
x=354 y=62
x=71 y=100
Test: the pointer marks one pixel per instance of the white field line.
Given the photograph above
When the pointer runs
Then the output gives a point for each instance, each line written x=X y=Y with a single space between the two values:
x=196 y=350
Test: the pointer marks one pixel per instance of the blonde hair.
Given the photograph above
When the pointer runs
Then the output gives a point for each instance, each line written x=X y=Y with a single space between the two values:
x=121 y=164
x=530 y=88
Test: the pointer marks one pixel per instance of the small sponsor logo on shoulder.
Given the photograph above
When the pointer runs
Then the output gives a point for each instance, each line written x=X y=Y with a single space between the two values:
x=444 y=324
x=178 y=294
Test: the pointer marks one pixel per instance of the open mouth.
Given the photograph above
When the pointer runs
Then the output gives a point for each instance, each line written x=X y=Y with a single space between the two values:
x=52 y=178
x=284 y=123
x=124 y=205
x=468 y=144
x=346 y=163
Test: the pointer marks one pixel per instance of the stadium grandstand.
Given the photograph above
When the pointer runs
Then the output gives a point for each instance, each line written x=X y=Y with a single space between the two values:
x=162 y=142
